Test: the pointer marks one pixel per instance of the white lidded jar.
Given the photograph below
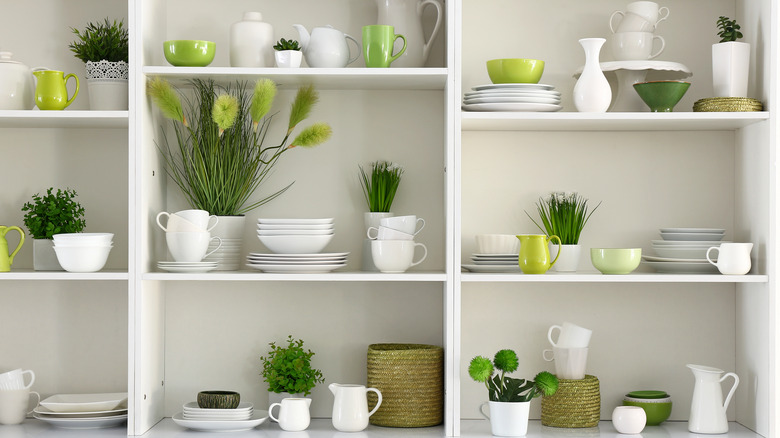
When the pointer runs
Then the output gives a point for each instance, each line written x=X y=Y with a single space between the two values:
x=251 y=42
x=17 y=86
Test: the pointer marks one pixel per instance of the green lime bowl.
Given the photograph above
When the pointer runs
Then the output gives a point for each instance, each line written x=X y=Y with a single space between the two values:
x=515 y=70
x=615 y=261
x=189 y=53
x=662 y=96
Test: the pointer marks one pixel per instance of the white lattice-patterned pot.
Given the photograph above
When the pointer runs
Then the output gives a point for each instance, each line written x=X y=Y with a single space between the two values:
x=107 y=70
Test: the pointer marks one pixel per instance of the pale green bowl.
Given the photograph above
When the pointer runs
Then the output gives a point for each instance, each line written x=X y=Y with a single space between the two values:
x=616 y=260
x=189 y=53
x=515 y=70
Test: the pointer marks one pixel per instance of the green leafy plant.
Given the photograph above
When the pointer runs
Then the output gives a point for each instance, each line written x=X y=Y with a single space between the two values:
x=502 y=388
x=380 y=185
x=288 y=369
x=563 y=215
x=729 y=29
x=54 y=213
x=98 y=41
x=284 y=44
x=218 y=158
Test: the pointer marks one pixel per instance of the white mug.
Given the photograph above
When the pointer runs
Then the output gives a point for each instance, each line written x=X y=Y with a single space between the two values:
x=733 y=258
x=384 y=233
x=570 y=363
x=406 y=224
x=630 y=22
x=293 y=414
x=200 y=218
x=14 y=379
x=649 y=11
x=503 y=418
x=395 y=255
x=190 y=247
x=570 y=336
x=635 y=46
x=629 y=420
x=14 y=405
x=177 y=224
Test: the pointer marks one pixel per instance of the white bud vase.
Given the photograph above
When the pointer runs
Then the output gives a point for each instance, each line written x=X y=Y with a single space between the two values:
x=592 y=93
x=251 y=42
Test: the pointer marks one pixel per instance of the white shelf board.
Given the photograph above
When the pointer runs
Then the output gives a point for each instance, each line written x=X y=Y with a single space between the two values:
x=597 y=277
x=427 y=276
x=323 y=78
x=63 y=119
x=29 y=274
x=605 y=429
x=39 y=429
x=575 y=121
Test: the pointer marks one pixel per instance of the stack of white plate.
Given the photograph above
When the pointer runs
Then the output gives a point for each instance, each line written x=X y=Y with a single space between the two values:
x=295 y=236
x=683 y=250
x=189 y=267
x=228 y=255
x=244 y=417
x=298 y=263
x=493 y=263
x=83 y=411
x=512 y=97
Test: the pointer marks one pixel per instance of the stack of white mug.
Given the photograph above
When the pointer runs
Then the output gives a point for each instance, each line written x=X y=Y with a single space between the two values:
x=15 y=396
x=570 y=352
x=634 y=36
x=393 y=245
x=188 y=234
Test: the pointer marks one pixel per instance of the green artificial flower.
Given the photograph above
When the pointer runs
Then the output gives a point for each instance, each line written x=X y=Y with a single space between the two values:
x=546 y=383
x=166 y=99
x=312 y=135
x=225 y=111
x=262 y=99
x=301 y=107
x=480 y=369
x=506 y=361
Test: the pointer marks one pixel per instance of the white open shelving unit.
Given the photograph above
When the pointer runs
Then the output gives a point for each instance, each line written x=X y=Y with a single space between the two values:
x=163 y=336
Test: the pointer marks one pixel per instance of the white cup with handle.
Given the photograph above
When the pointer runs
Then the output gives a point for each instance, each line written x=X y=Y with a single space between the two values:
x=190 y=247
x=569 y=336
x=650 y=11
x=733 y=258
x=14 y=379
x=396 y=255
x=635 y=46
x=177 y=224
x=406 y=224
x=201 y=218
x=384 y=233
x=15 y=405
x=570 y=363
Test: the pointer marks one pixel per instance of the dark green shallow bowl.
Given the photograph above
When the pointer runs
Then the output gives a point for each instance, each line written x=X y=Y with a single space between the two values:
x=647 y=394
x=218 y=399
x=661 y=96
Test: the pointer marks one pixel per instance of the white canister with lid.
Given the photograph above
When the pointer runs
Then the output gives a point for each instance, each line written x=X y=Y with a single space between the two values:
x=17 y=86
x=251 y=42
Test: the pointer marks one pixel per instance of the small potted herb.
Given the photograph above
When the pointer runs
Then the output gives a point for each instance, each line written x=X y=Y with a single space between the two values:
x=54 y=213
x=509 y=398
x=104 y=48
x=730 y=60
x=287 y=53
x=288 y=369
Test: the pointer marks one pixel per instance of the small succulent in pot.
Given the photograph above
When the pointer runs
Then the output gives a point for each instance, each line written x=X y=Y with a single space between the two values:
x=284 y=44
x=502 y=388
x=728 y=29
x=289 y=369
x=54 y=213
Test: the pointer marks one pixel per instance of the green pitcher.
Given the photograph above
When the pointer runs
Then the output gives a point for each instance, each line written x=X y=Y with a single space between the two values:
x=7 y=259
x=51 y=92
x=534 y=257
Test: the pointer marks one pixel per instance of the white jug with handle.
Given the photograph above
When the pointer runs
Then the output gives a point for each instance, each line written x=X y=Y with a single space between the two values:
x=406 y=17
x=326 y=47
x=708 y=413
x=350 y=409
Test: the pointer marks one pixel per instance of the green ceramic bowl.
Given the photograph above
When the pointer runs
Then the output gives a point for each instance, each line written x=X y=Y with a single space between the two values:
x=189 y=53
x=661 y=96
x=218 y=399
x=657 y=410
x=515 y=70
x=648 y=394
x=615 y=260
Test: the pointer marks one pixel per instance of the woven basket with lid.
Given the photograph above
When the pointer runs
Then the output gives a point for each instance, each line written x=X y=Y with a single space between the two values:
x=577 y=403
x=411 y=380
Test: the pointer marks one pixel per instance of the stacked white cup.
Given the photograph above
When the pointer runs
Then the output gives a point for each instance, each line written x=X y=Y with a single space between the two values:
x=393 y=245
x=188 y=234
x=570 y=351
x=15 y=396
x=634 y=37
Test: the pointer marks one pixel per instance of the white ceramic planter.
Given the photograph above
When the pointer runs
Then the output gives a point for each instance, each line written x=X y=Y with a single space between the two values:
x=288 y=58
x=44 y=257
x=231 y=230
x=730 y=69
x=506 y=418
x=108 y=94
x=569 y=258
x=370 y=219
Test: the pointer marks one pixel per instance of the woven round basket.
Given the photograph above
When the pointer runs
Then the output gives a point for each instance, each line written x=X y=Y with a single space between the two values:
x=727 y=104
x=411 y=380
x=577 y=403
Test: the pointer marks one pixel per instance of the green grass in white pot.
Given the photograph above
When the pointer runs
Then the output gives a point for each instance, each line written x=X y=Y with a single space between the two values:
x=380 y=185
x=563 y=215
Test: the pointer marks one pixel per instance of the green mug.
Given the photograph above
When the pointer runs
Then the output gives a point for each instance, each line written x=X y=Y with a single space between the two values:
x=378 y=41
x=51 y=92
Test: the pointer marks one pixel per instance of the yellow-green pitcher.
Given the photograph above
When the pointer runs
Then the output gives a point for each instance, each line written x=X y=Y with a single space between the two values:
x=534 y=257
x=51 y=92
x=7 y=259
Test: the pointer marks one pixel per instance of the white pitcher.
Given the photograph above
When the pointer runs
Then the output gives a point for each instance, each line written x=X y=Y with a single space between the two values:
x=708 y=415
x=326 y=47
x=350 y=408
x=406 y=17
x=293 y=414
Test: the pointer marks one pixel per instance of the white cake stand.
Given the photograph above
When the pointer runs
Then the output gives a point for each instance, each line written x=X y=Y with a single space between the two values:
x=630 y=72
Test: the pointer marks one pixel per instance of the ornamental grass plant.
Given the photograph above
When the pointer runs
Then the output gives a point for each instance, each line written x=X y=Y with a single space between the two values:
x=380 y=185
x=502 y=388
x=218 y=157
x=563 y=215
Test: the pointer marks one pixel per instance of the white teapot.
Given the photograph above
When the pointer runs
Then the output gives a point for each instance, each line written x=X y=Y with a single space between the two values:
x=17 y=86
x=326 y=47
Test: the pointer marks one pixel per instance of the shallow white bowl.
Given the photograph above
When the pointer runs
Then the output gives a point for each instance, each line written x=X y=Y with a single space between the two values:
x=83 y=244
x=294 y=232
x=295 y=244
x=83 y=237
x=82 y=258
x=498 y=243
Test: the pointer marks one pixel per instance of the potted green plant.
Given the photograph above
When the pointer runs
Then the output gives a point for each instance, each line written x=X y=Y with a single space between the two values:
x=730 y=60
x=564 y=215
x=509 y=398
x=288 y=369
x=47 y=215
x=218 y=157
x=287 y=53
x=104 y=48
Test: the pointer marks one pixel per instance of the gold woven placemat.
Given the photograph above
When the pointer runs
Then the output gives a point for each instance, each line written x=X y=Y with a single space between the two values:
x=727 y=104
x=411 y=380
x=577 y=403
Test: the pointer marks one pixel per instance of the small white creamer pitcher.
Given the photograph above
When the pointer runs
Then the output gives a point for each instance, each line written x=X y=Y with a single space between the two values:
x=293 y=414
x=350 y=408
x=733 y=258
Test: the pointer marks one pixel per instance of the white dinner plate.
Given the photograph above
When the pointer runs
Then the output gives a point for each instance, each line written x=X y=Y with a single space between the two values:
x=297 y=262
x=508 y=259
x=296 y=256
x=693 y=230
x=513 y=87
x=692 y=236
x=190 y=269
x=681 y=253
x=495 y=262
x=513 y=93
x=316 y=221
x=43 y=410
x=296 y=259
x=302 y=269
x=294 y=226
x=192 y=407
x=489 y=256
x=491 y=268
x=650 y=258
x=258 y=418
x=682 y=268
x=688 y=243
x=550 y=100
x=84 y=402
x=530 y=107
x=83 y=423
x=170 y=263
x=291 y=232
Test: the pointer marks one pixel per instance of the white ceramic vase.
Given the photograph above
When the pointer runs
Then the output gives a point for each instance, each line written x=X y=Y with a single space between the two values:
x=288 y=58
x=507 y=418
x=230 y=229
x=569 y=258
x=730 y=69
x=592 y=93
x=406 y=18
x=44 y=257
x=251 y=42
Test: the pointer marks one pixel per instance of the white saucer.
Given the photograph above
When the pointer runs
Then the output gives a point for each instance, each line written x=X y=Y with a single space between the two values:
x=513 y=93
x=548 y=100
x=491 y=268
x=671 y=259
x=258 y=418
x=693 y=230
x=528 y=107
x=86 y=414
x=513 y=87
x=83 y=423
x=304 y=269
x=682 y=268
x=190 y=269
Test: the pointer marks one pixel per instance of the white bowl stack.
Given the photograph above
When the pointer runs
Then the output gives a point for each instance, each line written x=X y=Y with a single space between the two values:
x=497 y=253
x=296 y=246
x=683 y=250
x=83 y=252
